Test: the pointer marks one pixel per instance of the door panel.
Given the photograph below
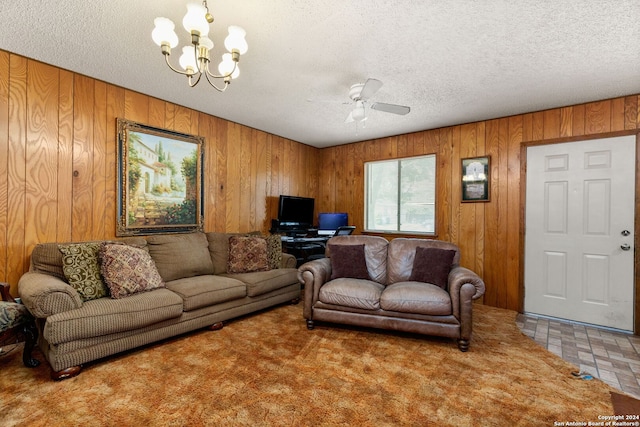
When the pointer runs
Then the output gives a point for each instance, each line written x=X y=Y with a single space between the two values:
x=580 y=197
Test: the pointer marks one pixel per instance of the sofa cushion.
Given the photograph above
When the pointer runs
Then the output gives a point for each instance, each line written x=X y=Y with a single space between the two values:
x=203 y=291
x=180 y=255
x=127 y=270
x=247 y=254
x=46 y=258
x=261 y=282
x=82 y=269
x=416 y=297
x=348 y=261
x=356 y=293
x=402 y=253
x=432 y=265
x=106 y=316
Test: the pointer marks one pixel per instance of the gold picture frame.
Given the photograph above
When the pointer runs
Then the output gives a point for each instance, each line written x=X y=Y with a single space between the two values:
x=476 y=179
x=160 y=180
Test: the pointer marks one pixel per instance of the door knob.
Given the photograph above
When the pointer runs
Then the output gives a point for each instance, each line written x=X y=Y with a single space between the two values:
x=625 y=232
x=625 y=247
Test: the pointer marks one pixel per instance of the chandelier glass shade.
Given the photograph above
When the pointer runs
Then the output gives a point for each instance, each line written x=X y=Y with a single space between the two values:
x=195 y=58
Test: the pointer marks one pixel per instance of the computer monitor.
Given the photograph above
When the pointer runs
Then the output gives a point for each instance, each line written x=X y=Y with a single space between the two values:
x=329 y=222
x=295 y=212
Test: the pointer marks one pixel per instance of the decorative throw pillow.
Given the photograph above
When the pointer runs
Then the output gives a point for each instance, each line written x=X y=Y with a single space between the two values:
x=348 y=261
x=128 y=270
x=247 y=254
x=432 y=265
x=274 y=251
x=81 y=268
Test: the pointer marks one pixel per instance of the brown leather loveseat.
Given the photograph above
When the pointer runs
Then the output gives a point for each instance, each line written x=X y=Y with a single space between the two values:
x=411 y=285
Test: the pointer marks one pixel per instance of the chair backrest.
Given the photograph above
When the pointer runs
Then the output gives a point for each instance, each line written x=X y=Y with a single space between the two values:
x=344 y=230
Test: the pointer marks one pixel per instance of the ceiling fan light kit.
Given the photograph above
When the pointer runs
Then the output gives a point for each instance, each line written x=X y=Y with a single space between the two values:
x=195 y=58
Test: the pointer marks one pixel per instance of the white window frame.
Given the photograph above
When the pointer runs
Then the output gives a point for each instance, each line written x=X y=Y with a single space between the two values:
x=367 y=196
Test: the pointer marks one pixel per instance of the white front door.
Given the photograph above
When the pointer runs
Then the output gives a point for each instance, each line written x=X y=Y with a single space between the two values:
x=579 y=229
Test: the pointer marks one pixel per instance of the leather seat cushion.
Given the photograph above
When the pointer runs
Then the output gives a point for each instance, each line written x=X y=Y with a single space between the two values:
x=347 y=292
x=416 y=297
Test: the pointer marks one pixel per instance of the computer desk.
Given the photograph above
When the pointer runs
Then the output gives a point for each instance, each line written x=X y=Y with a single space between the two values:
x=303 y=247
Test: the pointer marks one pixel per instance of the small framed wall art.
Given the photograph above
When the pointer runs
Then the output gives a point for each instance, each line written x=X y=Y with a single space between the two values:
x=475 y=179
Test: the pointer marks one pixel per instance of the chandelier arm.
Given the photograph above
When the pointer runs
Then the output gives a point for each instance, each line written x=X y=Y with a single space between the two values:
x=222 y=76
x=208 y=77
x=184 y=73
x=197 y=80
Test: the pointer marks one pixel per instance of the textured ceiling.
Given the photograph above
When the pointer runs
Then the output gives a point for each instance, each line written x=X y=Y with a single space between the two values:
x=452 y=62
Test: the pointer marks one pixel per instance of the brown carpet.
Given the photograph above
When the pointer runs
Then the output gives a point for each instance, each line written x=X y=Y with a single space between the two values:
x=268 y=369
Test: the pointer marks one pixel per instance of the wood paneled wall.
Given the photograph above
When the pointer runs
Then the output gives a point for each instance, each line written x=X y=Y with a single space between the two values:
x=58 y=168
x=489 y=234
x=58 y=161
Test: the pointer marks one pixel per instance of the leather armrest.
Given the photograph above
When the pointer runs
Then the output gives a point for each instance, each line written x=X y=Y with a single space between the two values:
x=458 y=276
x=44 y=295
x=464 y=286
x=313 y=275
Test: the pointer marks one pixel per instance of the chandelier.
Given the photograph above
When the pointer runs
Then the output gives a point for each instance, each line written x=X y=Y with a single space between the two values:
x=195 y=58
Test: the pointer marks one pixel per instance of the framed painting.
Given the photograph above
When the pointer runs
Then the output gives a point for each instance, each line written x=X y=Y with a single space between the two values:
x=475 y=179
x=160 y=180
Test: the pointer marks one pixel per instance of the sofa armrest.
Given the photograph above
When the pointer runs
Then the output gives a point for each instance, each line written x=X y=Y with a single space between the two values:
x=458 y=276
x=464 y=287
x=288 y=261
x=44 y=295
x=313 y=275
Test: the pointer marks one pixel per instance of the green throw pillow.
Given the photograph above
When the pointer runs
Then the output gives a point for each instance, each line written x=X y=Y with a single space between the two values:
x=82 y=269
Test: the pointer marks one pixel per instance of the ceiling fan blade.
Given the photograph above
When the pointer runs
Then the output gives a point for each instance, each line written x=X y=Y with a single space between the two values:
x=390 y=108
x=370 y=88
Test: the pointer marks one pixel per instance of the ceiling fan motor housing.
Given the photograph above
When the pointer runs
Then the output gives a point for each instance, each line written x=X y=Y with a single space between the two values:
x=355 y=91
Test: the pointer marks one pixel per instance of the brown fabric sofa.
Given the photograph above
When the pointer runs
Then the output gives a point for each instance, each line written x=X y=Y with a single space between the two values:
x=198 y=293
x=391 y=297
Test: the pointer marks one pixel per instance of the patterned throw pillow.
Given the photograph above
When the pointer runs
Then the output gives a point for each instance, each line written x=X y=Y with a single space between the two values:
x=247 y=254
x=13 y=314
x=81 y=268
x=274 y=251
x=128 y=270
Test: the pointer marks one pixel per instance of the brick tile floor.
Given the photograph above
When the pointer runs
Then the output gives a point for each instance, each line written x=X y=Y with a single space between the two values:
x=610 y=355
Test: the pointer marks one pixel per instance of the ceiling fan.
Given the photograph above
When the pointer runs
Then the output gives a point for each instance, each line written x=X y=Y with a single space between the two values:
x=360 y=94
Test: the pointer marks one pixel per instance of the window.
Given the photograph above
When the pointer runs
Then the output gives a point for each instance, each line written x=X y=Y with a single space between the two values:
x=401 y=195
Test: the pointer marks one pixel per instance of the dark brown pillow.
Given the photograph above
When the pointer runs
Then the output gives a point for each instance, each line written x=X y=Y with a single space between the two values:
x=348 y=261
x=432 y=265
